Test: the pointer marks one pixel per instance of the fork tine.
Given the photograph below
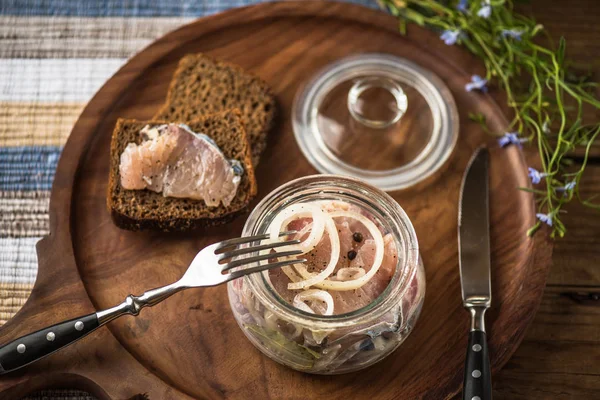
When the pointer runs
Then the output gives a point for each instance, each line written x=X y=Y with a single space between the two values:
x=237 y=263
x=264 y=267
x=247 y=239
x=246 y=250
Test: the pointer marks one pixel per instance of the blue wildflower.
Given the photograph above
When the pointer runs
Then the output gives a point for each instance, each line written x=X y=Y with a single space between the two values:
x=463 y=6
x=485 y=11
x=567 y=188
x=545 y=218
x=511 y=138
x=512 y=33
x=535 y=175
x=450 y=36
x=477 y=83
x=570 y=185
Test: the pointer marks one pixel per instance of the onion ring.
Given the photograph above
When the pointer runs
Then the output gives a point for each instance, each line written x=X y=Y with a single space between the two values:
x=350 y=273
x=296 y=211
x=313 y=279
x=288 y=270
x=313 y=295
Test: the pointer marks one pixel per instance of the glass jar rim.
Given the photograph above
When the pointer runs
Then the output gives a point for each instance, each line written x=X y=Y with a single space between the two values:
x=395 y=217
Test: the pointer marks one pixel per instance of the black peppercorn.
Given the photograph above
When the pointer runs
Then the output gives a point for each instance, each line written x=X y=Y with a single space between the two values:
x=351 y=255
x=357 y=236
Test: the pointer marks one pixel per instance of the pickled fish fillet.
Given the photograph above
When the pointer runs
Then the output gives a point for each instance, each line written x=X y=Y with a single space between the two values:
x=180 y=163
x=317 y=259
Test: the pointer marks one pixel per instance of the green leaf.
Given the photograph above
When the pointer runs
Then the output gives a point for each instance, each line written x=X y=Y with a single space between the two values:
x=532 y=190
x=477 y=117
x=413 y=16
x=560 y=53
x=302 y=357
x=567 y=162
x=402 y=26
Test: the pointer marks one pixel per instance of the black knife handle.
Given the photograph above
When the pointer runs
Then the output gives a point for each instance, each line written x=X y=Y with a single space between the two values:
x=36 y=345
x=478 y=377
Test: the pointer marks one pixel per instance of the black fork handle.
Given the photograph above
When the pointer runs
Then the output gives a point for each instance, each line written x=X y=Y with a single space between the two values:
x=37 y=345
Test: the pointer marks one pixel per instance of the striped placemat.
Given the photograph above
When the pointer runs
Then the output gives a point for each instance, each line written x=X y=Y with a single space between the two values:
x=59 y=395
x=54 y=55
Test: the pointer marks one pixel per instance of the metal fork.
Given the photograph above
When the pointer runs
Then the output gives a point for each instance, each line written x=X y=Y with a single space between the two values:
x=209 y=268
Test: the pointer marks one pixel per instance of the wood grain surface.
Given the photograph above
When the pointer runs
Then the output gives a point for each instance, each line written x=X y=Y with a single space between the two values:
x=98 y=265
x=559 y=358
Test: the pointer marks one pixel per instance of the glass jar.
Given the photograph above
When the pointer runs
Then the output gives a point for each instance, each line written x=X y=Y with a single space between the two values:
x=336 y=343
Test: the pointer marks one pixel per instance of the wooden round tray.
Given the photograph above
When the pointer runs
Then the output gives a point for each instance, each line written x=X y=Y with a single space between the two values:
x=190 y=346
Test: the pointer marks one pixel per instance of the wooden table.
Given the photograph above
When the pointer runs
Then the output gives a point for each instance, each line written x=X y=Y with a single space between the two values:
x=560 y=355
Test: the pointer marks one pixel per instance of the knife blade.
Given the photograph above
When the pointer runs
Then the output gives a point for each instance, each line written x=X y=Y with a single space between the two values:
x=474 y=232
x=474 y=265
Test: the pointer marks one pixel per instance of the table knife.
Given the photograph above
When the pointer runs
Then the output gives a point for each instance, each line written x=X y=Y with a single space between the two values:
x=474 y=263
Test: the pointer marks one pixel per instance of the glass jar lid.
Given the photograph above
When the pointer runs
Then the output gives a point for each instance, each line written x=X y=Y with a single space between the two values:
x=376 y=117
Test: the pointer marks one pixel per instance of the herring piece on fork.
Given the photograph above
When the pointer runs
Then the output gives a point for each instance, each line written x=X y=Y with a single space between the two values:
x=209 y=268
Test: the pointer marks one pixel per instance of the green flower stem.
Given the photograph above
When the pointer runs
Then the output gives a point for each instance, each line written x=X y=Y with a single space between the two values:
x=547 y=106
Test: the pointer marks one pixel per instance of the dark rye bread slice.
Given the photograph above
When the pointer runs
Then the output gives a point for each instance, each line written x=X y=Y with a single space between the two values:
x=144 y=209
x=202 y=85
